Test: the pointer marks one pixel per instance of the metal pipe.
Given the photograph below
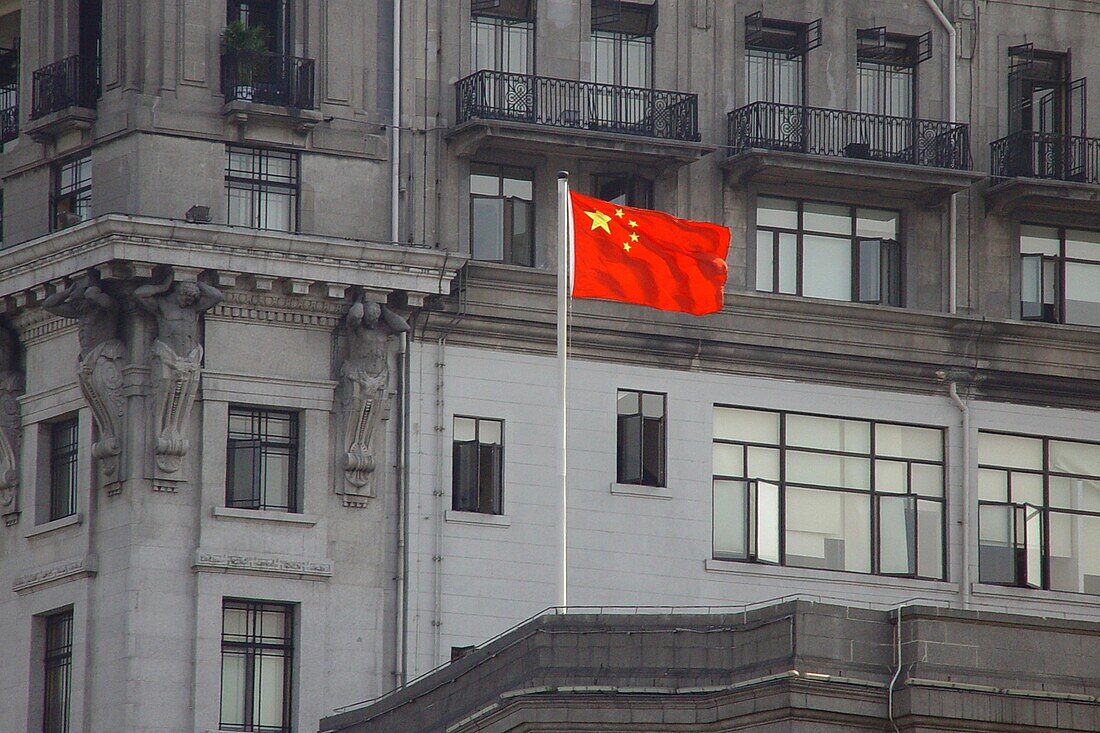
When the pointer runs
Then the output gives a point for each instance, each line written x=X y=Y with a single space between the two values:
x=403 y=434
x=563 y=392
x=964 y=577
x=395 y=129
x=894 y=679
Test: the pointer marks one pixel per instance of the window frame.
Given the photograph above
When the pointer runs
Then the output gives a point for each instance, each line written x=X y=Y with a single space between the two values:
x=476 y=492
x=499 y=25
x=61 y=501
x=635 y=191
x=257 y=184
x=79 y=193
x=57 y=657
x=661 y=479
x=501 y=171
x=253 y=649
x=263 y=443
x=877 y=60
x=1060 y=262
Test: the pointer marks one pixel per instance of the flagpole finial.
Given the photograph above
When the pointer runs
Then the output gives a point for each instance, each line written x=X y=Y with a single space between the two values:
x=563 y=174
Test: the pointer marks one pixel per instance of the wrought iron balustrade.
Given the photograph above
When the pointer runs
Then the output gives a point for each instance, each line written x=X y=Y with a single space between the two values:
x=1031 y=154
x=271 y=78
x=579 y=105
x=9 y=94
x=70 y=82
x=9 y=122
x=844 y=134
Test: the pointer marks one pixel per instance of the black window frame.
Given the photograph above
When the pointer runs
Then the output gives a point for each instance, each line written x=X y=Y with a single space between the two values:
x=632 y=429
x=771 y=41
x=1051 y=312
x=63 y=440
x=262 y=444
x=477 y=498
x=280 y=39
x=79 y=193
x=254 y=647
x=873 y=493
x=509 y=254
x=256 y=182
x=624 y=189
x=57 y=669
x=884 y=54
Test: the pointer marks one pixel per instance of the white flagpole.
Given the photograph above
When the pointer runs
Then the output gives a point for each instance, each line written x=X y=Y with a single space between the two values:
x=563 y=332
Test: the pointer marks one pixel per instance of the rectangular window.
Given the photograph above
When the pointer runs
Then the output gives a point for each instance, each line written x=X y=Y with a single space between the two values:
x=825 y=492
x=262 y=188
x=72 y=192
x=625 y=190
x=504 y=37
x=58 y=669
x=1059 y=275
x=477 y=480
x=831 y=251
x=775 y=58
x=502 y=214
x=622 y=66
x=1039 y=512
x=641 y=438
x=63 y=443
x=262 y=459
x=257 y=666
x=272 y=16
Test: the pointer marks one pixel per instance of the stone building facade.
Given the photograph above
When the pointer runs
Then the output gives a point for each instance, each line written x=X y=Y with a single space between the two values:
x=278 y=298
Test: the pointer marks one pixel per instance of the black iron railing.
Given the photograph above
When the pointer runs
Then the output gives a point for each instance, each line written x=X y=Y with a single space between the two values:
x=9 y=122
x=70 y=82
x=286 y=81
x=843 y=134
x=9 y=94
x=1031 y=154
x=580 y=105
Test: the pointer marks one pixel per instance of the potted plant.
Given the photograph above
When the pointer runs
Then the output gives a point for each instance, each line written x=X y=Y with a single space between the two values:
x=244 y=46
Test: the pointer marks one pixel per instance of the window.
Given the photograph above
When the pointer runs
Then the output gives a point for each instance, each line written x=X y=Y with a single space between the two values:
x=58 y=669
x=63 y=468
x=1059 y=275
x=72 y=192
x=262 y=461
x=263 y=188
x=887 y=67
x=257 y=659
x=829 y=251
x=1039 y=512
x=271 y=15
x=477 y=465
x=622 y=65
x=504 y=36
x=625 y=190
x=775 y=58
x=641 y=438
x=824 y=492
x=502 y=214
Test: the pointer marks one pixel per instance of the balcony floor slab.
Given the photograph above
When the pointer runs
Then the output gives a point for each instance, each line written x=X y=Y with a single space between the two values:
x=1009 y=195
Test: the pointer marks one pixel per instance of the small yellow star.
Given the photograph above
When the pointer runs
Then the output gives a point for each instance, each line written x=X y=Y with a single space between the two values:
x=599 y=220
x=619 y=213
x=633 y=236
x=626 y=246
x=632 y=223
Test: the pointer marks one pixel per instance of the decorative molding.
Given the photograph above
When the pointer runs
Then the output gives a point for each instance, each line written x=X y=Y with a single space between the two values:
x=11 y=519
x=305 y=568
x=35 y=578
x=293 y=310
x=35 y=325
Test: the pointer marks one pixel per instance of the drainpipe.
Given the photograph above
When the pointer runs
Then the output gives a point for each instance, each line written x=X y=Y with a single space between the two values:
x=952 y=113
x=403 y=433
x=897 y=673
x=395 y=128
x=964 y=409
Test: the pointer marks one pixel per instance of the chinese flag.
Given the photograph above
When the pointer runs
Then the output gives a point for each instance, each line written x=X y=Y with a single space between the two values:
x=647 y=257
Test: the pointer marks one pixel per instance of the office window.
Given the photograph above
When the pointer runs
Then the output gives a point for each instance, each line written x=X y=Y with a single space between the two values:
x=1059 y=275
x=72 y=192
x=1039 y=512
x=641 y=431
x=504 y=36
x=502 y=214
x=262 y=460
x=625 y=190
x=831 y=251
x=262 y=186
x=63 y=444
x=825 y=492
x=58 y=670
x=257 y=666
x=477 y=465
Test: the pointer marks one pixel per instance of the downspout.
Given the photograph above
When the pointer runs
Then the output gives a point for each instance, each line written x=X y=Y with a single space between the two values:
x=952 y=113
x=894 y=679
x=395 y=128
x=403 y=433
x=964 y=577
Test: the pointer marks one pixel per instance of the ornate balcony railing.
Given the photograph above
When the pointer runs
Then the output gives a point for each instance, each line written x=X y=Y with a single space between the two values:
x=9 y=94
x=9 y=121
x=843 y=134
x=578 y=105
x=285 y=81
x=1031 y=154
x=70 y=82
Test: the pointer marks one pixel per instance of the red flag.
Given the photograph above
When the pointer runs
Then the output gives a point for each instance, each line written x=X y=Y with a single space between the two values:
x=647 y=257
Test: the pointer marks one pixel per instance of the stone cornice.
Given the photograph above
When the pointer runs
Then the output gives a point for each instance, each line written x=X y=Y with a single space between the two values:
x=284 y=310
x=264 y=565
x=33 y=578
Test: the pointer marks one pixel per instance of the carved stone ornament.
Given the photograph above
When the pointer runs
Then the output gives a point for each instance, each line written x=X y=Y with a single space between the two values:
x=11 y=386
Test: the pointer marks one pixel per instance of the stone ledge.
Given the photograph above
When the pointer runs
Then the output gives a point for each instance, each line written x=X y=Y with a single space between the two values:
x=263 y=515
x=485 y=520
x=40 y=529
x=263 y=565
x=34 y=578
x=640 y=491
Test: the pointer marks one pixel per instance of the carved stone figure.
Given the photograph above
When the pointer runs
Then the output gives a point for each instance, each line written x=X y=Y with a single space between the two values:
x=176 y=360
x=11 y=386
x=99 y=368
x=364 y=377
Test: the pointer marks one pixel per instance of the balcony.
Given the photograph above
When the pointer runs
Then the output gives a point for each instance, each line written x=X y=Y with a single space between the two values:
x=1044 y=170
x=893 y=156
x=273 y=88
x=520 y=111
x=9 y=94
x=63 y=97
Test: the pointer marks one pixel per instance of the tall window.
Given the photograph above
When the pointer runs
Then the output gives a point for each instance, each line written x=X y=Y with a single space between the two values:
x=887 y=67
x=477 y=460
x=775 y=59
x=58 y=668
x=262 y=186
x=622 y=63
x=63 y=471
x=641 y=431
x=829 y=251
x=271 y=15
x=825 y=492
x=72 y=192
x=502 y=214
x=625 y=190
x=1039 y=512
x=262 y=461
x=1059 y=275
x=504 y=36
x=257 y=661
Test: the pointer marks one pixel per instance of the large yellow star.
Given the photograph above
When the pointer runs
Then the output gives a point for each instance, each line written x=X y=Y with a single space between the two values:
x=626 y=246
x=633 y=236
x=599 y=220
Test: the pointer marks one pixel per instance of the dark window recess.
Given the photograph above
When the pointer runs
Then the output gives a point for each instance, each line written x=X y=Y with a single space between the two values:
x=624 y=17
x=58 y=668
x=262 y=460
x=458 y=652
x=271 y=15
x=641 y=438
x=1059 y=275
x=257 y=666
x=626 y=190
x=792 y=38
x=502 y=214
x=511 y=9
x=63 y=468
x=262 y=188
x=9 y=93
x=72 y=192
x=887 y=70
x=477 y=481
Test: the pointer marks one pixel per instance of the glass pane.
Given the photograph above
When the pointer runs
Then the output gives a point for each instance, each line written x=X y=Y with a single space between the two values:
x=240 y=207
x=1082 y=459
x=489 y=432
x=891 y=477
x=870 y=271
x=233 y=689
x=1083 y=294
x=628 y=403
x=767 y=522
x=484 y=185
x=1033 y=545
x=828 y=218
x=897 y=535
x=519 y=188
x=730 y=520
x=827 y=267
x=1083 y=245
x=763 y=463
x=823 y=469
x=1039 y=240
x=465 y=429
x=788 y=263
x=653 y=405
x=904 y=441
x=930 y=539
x=487 y=230
x=828 y=529
x=996 y=548
x=765 y=271
x=276 y=479
x=1010 y=451
x=729 y=460
x=754 y=426
x=234 y=623
x=1026 y=488
x=272 y=625
x=829 y=433
x=876 y=224
x=1074 y=553
x=1075 y=493
x=771 y=212
x=926 y=479
x=268 y=691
